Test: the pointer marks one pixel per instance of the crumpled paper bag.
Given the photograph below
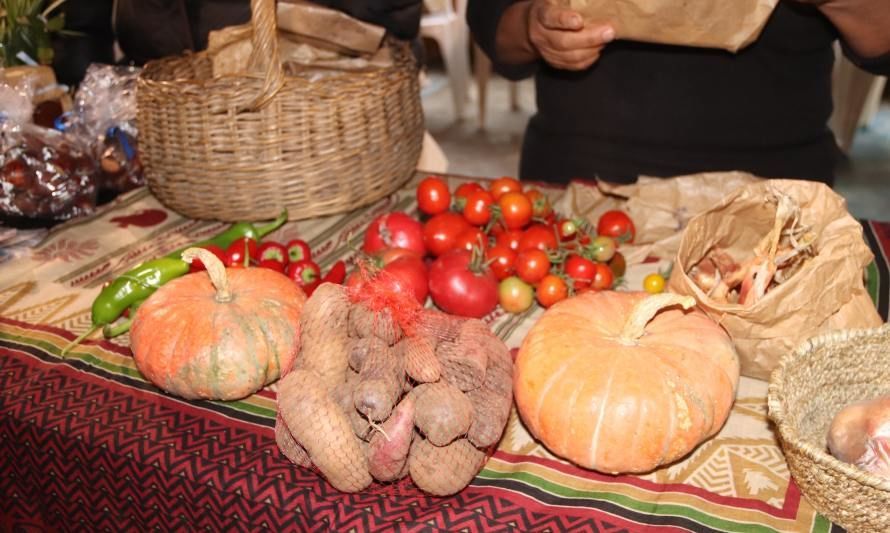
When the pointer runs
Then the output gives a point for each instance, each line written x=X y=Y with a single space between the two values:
x=659 y=207
x=827 y=293
x=730 y=25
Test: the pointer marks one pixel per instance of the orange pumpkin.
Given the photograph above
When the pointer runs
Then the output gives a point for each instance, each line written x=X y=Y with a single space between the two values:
x=222 y=334
x=624 y=382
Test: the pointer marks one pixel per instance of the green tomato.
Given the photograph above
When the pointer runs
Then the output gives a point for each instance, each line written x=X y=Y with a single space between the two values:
x=515 y=295
x=602 y=248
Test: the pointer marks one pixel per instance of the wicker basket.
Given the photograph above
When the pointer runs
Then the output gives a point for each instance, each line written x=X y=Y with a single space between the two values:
x=244 y=147
x=807 y=389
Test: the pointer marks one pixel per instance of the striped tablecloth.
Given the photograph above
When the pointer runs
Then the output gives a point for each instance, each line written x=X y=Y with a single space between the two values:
x=87 y=444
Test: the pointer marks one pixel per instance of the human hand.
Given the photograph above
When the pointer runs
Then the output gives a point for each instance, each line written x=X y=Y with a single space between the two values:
x=562 y=37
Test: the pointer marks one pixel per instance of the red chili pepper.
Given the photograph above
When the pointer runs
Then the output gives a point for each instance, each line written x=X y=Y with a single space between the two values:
x=309 y=289
x=298 y=250
x=337 y=273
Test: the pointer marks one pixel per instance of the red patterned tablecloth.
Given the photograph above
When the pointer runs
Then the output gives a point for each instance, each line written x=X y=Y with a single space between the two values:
x=87 y=445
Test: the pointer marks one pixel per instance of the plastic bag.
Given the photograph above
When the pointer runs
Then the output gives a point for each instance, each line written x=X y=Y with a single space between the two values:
x=45 y=176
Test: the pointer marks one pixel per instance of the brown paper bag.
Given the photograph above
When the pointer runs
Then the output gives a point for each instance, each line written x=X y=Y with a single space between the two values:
x=730 y=25
x=659 y=207
x=827 y=293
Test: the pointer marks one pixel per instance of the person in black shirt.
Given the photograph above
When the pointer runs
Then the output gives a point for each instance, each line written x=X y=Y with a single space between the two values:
x=615 y=110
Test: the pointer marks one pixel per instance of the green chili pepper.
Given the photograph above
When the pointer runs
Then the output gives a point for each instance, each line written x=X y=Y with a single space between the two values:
x=131 y=288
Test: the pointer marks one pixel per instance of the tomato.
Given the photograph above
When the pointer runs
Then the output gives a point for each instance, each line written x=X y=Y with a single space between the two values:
x=532 y=265
x=477 y=210
x=462 y=193
x=602 y=278
x=298 y=250
x=304 y=272
x=539 y=237
x=471 y=238
x=271 y=264
x=503 y=185
x=385 y=257
x=507 y=237
x=618 y=265
x=616 y=224
x=602 y=248
x=541 y=207
x=581 y=270
x=394 y=230
x=460 y=285
x=501 y=259
x=551 y=289
x=433 y=196
x=272 y=251
x=197 y=265
x=516 y=209
x=441 y=232
x=412 y=271
x=515 y=295
x=567 y=229
x=653 y=283
x=240 y=252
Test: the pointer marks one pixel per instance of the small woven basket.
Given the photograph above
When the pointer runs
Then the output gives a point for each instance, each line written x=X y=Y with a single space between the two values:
x=244 y=147
x=806 y=390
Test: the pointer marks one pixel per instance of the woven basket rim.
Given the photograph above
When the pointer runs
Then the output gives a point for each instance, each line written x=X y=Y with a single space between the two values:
x=790 y=434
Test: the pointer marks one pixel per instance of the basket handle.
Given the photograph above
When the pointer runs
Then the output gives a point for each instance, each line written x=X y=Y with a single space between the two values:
x=265 y=51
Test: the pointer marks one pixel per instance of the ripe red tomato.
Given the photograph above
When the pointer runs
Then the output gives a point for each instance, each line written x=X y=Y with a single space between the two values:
x=538 y=237
x=581 y=270
x=503 y=185
x=602 y=278
x=532 y=265
x=618 y=265
x=507 y=237
x=465 y=189
x=461 y=287
x=515 y=295
x=477 y=210
x=501 y=259
x=551 y=289
x=394 y=230
x=541 y=207
x=616 y=224
x=441 y=232
x=516 y=209
x=196 y=264
x=413 y=271
x=433 y=195
x=567 y=229
x=385 y=257
x=471 y=238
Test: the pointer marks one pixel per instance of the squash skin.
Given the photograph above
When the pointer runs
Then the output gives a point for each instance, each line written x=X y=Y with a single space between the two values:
x=620 y=407
x=192 y=346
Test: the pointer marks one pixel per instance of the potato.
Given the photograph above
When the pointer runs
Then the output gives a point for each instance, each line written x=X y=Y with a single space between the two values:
x=443 y=412
x=388 y=449
x=443 y=471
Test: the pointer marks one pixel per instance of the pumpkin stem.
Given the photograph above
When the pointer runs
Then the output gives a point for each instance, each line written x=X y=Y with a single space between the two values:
x=215 y=269
x=646 y=310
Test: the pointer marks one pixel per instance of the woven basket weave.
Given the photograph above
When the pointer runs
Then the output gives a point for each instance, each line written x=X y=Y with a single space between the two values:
x=806 y=390
x=244 y=147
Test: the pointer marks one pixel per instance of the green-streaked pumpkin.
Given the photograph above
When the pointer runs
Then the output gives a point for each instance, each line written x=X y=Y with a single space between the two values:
x=222 y=338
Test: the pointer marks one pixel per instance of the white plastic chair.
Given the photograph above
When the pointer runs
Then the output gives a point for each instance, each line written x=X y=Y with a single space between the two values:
x=445 y=23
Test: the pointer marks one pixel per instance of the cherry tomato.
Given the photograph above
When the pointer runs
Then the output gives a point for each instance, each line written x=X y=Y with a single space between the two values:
x=272 y=251
x=271 y=264
x=602 y=248
x=653 y=283
x=515 y=295
x=441 y=232
x=616 y=224
x=509 y=238
x=298 y=250
x=541 y=207
x=538 y=237
x=602 y=278
x=304 y=272
x=413 y=272
x=516 y=209
x=240 y=252
x=581 y=270
x=394 y=230
x=461 y=287
x=503 y=185
x=550 y=290
x=463 y=191
x=471 y=238
x=501 y=259
x=477 y=210
x=532 y=265
x=433 y=196
x=618 y=265
x=197 y=265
